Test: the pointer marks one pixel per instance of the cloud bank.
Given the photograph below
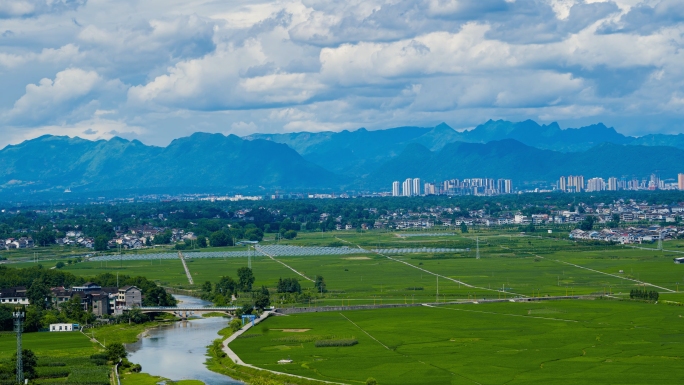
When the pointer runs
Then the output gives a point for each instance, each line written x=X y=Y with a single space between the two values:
x=157 y=70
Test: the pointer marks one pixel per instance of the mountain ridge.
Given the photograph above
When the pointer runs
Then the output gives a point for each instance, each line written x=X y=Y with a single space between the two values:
x=360 y=159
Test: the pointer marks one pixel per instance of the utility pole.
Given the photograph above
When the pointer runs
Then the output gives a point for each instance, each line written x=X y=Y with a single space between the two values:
x=437 y=289
x=477 y=243
x=18 y=316
x=249 y=257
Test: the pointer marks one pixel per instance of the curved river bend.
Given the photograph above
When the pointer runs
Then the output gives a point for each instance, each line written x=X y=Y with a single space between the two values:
x=178 y=351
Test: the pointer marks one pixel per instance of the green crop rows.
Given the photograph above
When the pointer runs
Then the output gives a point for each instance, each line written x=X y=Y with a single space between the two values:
x=558 y=342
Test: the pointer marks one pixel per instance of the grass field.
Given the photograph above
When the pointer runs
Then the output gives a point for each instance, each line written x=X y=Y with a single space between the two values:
x=71 y=344
x=563 y=342
x=62 y=358
x=511 y=265
x=569 y=342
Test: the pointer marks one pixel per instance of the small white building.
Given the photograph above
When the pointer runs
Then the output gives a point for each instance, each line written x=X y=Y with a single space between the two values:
x=61 y=327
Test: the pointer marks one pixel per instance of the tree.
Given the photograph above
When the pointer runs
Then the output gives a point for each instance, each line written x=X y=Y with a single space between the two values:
x=290 y=234
x=206 y=287
x=201 y=241
x=226 y=286
x=263 y=298
x=59 y=265
x=29 y=362
x=245 y=279
x=289 y=285
x=235 y=325
x=371 y=381
x=38 y=293
x=319 y=284
x=115 y=351
x=100 y=243
x=464 y=227
x=34 y=316
x=254 y=234
x=45 y=237
x=587 y=223
x=219 y=238
x=73 y=308
x=135 y=315
x=163 y=238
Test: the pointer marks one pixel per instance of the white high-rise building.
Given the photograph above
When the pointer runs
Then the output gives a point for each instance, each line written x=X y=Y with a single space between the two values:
x=508 y=186
x=429 y=189
x=596 y=184
x=395 y=188
x=612 y=184
x=415 y=190
x=406 y=187
x=563 y=184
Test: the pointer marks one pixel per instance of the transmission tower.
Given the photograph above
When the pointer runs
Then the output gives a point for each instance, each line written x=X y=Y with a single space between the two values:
x=660 y=242
x=18 y=316
x=477 y=248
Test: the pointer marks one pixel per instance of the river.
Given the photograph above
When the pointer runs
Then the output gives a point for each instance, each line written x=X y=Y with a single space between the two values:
x=178 y=351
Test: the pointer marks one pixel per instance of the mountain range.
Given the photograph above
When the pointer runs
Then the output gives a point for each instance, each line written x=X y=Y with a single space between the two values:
x=360 y=159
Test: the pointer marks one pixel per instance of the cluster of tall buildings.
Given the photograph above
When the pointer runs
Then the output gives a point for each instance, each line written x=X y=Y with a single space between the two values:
x=577 y=184
x=473 y=186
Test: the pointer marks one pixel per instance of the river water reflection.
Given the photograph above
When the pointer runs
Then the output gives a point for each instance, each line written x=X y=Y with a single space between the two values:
x=178 y=351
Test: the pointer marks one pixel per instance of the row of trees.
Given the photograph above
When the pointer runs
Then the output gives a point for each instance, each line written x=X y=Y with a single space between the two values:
x=222 y=291
x=644 y=294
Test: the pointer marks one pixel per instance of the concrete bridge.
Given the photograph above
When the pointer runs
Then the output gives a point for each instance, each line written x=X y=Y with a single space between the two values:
x=184 y=311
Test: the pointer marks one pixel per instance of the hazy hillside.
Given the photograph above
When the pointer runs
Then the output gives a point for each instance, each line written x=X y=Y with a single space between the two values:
x=200 y=161
x=523 y=151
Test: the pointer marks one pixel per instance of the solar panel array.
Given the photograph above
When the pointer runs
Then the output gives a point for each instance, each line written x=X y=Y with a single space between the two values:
x=201 y=254
x=297 y=251
x=407 y=235
x=419 y=250
x=274 y=251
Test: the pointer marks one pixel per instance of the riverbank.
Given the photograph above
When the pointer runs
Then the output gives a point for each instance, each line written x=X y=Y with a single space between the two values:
x=226 y=362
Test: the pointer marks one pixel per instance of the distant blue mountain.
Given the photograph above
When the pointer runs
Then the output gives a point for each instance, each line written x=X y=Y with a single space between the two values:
x=199 y=162
x=523 y=151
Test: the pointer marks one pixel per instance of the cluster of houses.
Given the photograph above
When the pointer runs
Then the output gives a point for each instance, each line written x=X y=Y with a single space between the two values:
x=101 y=301
x=629 y=235
x=625 y=211
x=75 y=238
x=17 y=243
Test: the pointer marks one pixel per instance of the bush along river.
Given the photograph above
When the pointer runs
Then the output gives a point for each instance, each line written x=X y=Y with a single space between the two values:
x=178 y=351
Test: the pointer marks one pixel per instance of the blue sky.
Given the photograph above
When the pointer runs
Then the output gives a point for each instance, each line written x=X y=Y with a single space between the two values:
x=156 y=70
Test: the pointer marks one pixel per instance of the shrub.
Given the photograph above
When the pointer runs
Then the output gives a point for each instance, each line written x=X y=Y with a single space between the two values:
x=116 y=351
x=371 y=381
x=336 y=343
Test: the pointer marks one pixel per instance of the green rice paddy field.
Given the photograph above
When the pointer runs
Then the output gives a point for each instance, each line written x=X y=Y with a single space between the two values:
x=612 y=340
x=555 y=342
x=510 y=265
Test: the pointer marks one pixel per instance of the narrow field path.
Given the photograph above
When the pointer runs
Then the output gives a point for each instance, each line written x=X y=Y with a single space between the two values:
x=445 y=277
x=283 y=263
x=614 y=275
x=600 y=272
x=651 y=249
x=368 y=334
x=185 y=266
